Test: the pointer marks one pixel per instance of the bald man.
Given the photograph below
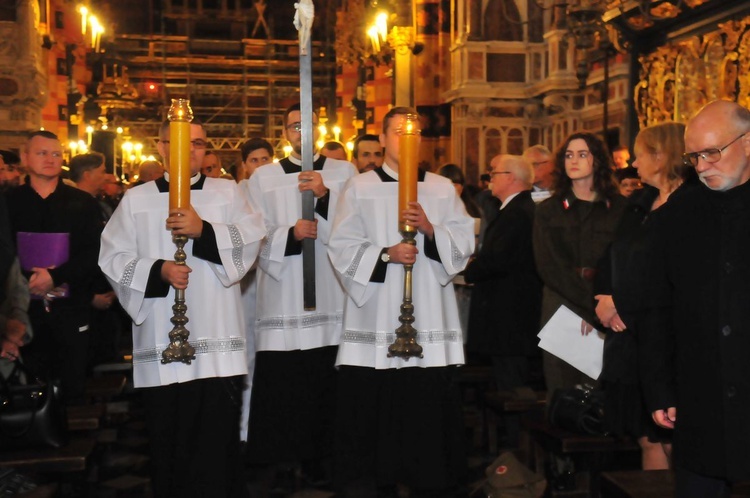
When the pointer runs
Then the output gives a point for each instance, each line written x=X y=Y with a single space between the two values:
x=507 y=296
x=696 y=339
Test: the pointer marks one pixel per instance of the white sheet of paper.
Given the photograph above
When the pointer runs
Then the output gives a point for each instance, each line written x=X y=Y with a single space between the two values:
x=561 y=336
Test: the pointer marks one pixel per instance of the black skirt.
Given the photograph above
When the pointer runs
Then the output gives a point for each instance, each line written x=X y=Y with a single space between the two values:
x=292 y=406
x=625 y=413
x=399 y=426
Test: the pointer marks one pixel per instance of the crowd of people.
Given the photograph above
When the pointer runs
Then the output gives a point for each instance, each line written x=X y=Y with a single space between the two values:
x=649 y=255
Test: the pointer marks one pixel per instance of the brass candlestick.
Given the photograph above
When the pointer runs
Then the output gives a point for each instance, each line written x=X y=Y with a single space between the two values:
x=405 y=346
x=179 y=348
x=180 y=115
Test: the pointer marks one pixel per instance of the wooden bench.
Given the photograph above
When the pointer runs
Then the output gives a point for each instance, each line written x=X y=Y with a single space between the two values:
x=509 y=402
x=649 y=484
x=501 y=403
x=474 y=381
x=44 y=491
x=71 y=458
x=105 y=387
x=565 y=442
x=85 y=417
x=589 y=453
x=637 y=484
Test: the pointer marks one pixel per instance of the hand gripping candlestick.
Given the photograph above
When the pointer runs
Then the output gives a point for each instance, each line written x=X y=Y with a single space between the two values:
x=180 y=116
x=405 y=346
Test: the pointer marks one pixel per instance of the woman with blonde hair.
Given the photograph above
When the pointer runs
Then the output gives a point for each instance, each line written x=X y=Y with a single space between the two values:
x=621 y=284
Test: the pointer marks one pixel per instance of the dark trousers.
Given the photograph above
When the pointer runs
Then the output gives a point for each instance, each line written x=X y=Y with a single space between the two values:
x=194 y=435
x=691 y=485
x=292 y=406
x=399 y=426
x=59 y=347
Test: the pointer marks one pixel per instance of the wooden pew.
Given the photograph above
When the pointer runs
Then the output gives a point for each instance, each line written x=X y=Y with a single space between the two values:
x=71 y=458
x=105 y=387
x=589 y=453
x=637 y=483
x=649 y=484
x=501 y=403
x=474 y=381
x=85 y=417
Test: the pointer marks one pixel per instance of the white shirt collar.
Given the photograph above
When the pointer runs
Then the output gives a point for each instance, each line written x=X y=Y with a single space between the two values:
x=298 y=162
x=389 y=171
x=507 y=200
x=193 y=179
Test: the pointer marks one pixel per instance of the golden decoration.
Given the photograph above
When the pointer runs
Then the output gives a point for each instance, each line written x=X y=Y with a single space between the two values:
x=677 y=79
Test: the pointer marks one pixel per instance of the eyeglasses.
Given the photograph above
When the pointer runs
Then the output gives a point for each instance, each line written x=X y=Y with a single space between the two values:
x=583 y=154
x=709 y=155
x=493 y=173
x=198 y=144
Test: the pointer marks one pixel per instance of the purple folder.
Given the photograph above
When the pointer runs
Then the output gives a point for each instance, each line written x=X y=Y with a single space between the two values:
x=42 y=250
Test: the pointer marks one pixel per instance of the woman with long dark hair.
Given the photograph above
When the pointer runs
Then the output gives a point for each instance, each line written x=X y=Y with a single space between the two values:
x=572 y=230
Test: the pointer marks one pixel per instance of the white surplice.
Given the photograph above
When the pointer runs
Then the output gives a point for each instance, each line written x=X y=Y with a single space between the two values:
x=136 y=237
x=281 y=323
x=366 y=222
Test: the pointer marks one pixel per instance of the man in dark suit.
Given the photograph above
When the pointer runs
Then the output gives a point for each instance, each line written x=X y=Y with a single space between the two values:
x=45 y=209
x=696 y=340
x=506 y=299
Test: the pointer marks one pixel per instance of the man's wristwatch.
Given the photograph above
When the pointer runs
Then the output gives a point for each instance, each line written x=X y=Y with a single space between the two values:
x=384 y=257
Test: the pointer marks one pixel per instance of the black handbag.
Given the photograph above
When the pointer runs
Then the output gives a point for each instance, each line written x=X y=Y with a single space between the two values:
x=31 y=414
x=578 y=409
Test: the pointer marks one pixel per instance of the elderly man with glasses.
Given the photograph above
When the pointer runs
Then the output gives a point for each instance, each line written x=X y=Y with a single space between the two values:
x=696 y=340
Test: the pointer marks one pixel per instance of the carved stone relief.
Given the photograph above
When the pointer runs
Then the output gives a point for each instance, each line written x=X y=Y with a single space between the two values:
x=23 y=78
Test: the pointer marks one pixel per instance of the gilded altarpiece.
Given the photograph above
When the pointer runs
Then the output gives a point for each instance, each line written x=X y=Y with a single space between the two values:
x=677 y=79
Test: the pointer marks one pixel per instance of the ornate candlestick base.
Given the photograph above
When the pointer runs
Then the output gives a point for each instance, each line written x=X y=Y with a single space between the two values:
x=405 y=346
x=179 y=348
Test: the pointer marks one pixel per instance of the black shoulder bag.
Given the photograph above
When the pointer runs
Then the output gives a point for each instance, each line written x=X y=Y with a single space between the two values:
x=31 y=414
x=578 y=409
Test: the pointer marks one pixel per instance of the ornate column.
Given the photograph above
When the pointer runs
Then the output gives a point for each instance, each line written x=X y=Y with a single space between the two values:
x=23 y=74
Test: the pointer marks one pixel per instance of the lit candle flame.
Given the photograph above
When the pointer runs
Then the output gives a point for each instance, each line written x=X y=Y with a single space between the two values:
x=84 y=18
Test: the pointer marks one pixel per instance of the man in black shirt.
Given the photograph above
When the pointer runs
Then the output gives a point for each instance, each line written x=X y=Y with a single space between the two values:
x=59 y=310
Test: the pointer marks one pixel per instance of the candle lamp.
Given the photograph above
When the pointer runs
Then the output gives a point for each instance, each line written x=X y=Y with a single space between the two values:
x=405 y=346
x=180 y=115
x=84 y=18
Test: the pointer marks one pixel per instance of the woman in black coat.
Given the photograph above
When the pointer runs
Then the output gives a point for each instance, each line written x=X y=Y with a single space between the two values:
x=621 y=283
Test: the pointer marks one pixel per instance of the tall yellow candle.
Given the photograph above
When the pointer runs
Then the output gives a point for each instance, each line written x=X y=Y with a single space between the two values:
x=408 y=158
x=180 y=116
